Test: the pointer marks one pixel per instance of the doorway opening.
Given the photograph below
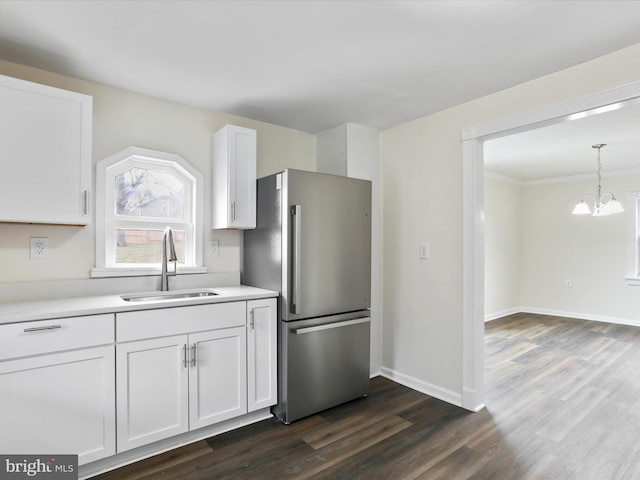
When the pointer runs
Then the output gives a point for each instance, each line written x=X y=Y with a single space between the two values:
x=473 y=217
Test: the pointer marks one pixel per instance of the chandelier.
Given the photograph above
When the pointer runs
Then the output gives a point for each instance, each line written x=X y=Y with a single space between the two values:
x=603 y=203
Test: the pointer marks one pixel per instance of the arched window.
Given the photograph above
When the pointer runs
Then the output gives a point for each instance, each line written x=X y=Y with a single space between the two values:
x=139 y=192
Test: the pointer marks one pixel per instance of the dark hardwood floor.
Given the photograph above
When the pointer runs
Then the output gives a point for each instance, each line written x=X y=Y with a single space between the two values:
x=563 y=402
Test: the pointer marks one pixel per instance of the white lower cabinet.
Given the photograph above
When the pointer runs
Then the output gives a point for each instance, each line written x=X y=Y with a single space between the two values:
x=171 y=385
x=262 y=371
x=152 y=391
x=58 y=402
x=80 y=386
x=217 y=376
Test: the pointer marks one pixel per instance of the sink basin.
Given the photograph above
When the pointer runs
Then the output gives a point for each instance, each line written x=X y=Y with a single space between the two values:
x=163 y=296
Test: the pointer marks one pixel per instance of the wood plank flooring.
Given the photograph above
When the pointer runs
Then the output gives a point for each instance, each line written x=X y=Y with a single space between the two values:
x=563 y=402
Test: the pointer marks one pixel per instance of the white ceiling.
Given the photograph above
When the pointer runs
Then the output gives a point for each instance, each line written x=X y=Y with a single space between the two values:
x=565 y=149
x=311 y=65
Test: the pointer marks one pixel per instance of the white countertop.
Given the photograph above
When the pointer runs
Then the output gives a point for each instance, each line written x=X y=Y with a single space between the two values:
x=26 y=311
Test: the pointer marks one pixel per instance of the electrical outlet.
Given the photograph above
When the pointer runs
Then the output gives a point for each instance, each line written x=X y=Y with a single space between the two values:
x=213 y=248
x=39 y=247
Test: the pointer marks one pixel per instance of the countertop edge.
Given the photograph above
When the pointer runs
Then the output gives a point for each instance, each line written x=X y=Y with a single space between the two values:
x=111 y=304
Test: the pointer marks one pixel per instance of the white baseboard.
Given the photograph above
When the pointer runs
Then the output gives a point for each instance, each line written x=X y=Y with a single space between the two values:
x=504 y=313
x=471 y=400
x=582 y=316
x=130 y=456
x=423 y=387
x=562 y=313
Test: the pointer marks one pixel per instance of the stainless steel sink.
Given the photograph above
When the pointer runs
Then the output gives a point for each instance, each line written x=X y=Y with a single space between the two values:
x=163 y=296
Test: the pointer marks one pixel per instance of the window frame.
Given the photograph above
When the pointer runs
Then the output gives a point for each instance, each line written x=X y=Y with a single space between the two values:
x=633 y=242
x=107 y=222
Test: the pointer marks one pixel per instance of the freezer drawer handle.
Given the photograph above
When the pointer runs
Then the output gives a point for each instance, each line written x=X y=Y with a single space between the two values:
x=328 y=326
x=296 y=213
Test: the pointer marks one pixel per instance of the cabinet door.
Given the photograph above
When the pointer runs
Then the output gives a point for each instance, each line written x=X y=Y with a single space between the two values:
x=261 y=354
x=234 y=178
x=152 y=388
x=45 y=153
x=62 y=403
x=218 y=376
x=242 y=177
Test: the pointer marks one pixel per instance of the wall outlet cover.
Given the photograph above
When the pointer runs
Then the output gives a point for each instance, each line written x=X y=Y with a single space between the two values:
x=213 y=248
x=39 y=248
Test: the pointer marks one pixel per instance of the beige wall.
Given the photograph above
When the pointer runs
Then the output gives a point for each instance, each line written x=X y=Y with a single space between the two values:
x=422 y=195
x=591 y=252
x=533 y=246
x=503 y=227
x=122 y=119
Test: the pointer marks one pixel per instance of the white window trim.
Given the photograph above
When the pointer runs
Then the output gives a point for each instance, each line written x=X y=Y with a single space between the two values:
x=102 y=269
x=633 y=242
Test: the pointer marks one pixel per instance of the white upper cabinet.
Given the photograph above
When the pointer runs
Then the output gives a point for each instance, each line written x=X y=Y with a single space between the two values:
x=45 y=154
x=234 y=178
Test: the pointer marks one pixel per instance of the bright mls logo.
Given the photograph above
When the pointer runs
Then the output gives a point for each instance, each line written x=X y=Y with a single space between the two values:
x=50 y=467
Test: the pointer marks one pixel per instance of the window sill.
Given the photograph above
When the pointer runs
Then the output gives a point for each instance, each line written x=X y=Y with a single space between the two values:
x=140 y=272
x=633 y=281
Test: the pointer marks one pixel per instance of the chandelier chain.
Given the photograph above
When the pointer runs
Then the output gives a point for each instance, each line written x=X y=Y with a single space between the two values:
x=599 y=146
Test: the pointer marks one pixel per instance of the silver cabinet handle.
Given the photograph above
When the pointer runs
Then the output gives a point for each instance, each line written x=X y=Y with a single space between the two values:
x=233 y=211
x=184 y=354
x=329 y=326
x=85 y=202
x=194 y=349
x=252 y=323
x=38 y=329
x=296 y=213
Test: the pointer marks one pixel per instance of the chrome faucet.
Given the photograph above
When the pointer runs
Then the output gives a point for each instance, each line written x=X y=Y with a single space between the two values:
x=170 y=256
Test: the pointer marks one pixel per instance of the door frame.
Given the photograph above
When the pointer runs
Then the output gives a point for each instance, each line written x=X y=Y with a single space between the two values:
x=473 y=139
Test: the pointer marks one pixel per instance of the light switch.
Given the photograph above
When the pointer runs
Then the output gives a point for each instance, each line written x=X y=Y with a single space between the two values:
x=424 y=251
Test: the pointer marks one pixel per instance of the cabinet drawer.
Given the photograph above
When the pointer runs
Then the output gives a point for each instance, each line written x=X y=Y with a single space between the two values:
x=179 y=320
x=45 y=336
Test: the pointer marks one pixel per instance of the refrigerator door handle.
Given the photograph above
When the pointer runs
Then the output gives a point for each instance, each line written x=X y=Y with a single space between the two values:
x=328 y=326
x=296 y=213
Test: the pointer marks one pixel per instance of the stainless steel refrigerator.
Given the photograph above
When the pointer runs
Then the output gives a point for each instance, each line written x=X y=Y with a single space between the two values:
x=312 y=243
